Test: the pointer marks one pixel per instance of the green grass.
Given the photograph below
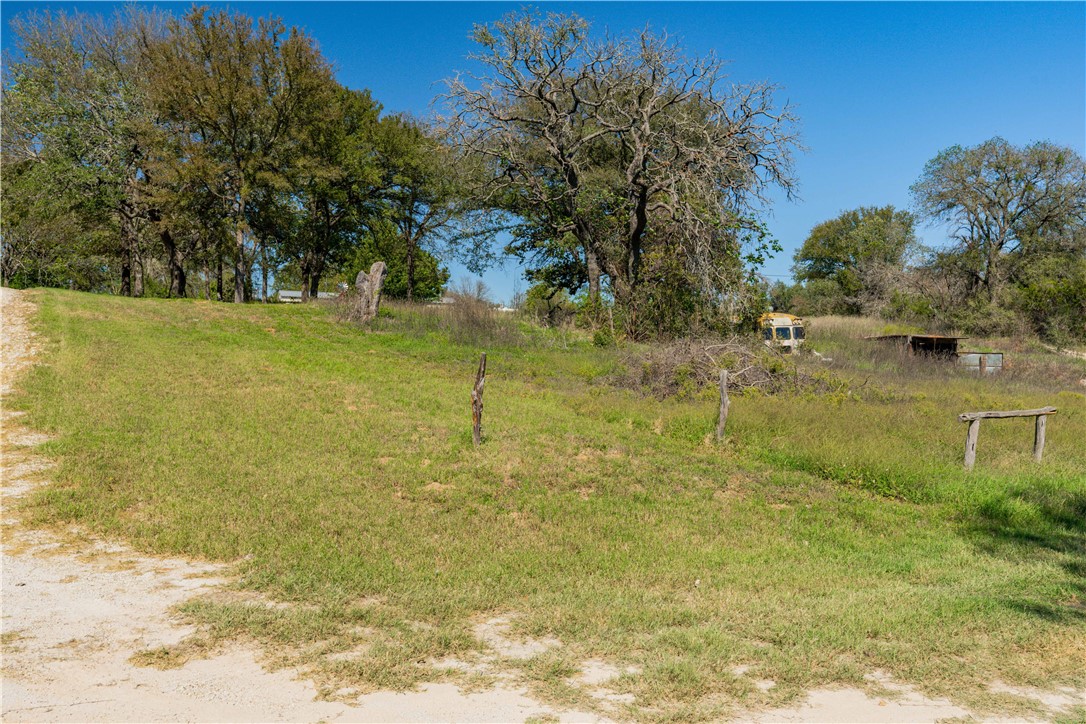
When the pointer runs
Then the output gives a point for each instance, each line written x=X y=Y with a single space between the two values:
x=831 y=535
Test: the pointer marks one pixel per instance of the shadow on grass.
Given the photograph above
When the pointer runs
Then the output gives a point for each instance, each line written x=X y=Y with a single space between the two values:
x=1038 y=523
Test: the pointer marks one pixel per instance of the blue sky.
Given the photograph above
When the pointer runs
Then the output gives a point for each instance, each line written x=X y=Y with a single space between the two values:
x=879 y=88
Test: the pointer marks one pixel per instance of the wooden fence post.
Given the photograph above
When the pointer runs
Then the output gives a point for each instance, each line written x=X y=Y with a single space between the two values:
x=971 y=444
x=477 y=402
x=724 y=404
x=1039 y=437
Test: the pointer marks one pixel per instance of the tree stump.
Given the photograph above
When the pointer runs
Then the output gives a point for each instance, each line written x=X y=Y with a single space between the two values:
x=369 y=290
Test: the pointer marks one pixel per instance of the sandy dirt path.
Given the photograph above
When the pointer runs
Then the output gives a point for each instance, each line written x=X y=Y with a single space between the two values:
x=73 y=614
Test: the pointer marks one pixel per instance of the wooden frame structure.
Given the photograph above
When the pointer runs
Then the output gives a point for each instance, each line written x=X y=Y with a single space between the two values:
x=974 y=418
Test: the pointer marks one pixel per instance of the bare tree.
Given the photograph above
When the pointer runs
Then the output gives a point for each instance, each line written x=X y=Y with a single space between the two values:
x=1000 y=201
x=608 y=142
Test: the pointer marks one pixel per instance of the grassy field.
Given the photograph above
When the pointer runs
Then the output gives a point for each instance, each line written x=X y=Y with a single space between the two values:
x=829 y=536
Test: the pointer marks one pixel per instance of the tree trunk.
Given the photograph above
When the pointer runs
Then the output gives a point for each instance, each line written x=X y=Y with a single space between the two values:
x=634 y=270
x=263 y=272
x=126 y=274
x=592 y=261
x=128 y=246
x=206 y=269
x=316 y=271
x=305 y=285
x=178 y=281
x=411 y=247
x=583 y=234
x=312 y=260
x=990 y=281
x=137 y=277
x=219 y=280
x=638 y=223
x=307 y=274
x=240 y=272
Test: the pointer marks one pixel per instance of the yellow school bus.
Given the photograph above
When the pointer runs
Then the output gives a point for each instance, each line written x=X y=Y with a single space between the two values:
x=784 y=331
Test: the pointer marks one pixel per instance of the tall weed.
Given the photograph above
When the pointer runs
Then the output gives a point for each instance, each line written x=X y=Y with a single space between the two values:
x=465 y=321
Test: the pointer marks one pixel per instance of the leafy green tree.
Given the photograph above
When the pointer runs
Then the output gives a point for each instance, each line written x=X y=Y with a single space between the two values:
x=144 y=148
x=335 y=185
x=782 y=297
x=1051 y=297
x=422 y=192
x=383 y=242
x=77 y=121
x=850 y=255
x=1004 y=205
x=237 y=95
x=44 y=242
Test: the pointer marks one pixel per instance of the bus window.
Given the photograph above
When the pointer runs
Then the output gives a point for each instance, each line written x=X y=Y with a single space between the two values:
x=784 y=333
x=799 y=333
x=767 y=333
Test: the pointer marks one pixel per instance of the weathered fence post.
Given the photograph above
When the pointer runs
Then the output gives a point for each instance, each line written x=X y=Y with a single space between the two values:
x=971 y=444
x=724 y=404
x=1039 y=437
x=477 y=402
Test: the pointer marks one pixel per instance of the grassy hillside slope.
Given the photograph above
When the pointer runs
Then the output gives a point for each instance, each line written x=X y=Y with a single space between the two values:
x=828 y=537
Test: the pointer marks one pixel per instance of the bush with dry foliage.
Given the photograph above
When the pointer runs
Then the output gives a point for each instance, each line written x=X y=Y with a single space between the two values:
x=348 y=307
x=686 y=367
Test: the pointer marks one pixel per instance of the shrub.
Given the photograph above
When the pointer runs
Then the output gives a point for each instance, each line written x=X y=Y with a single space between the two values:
x=688 y=367
x=465 y=321
x=548 y=307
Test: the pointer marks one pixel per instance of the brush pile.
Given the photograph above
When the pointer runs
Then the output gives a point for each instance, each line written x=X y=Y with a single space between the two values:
x=687 y=367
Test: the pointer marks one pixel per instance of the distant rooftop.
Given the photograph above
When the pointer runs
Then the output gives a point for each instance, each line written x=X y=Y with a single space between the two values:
x=288 y=295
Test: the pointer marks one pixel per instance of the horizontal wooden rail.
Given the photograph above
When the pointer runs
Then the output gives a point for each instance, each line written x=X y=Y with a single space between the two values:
x=967 y=416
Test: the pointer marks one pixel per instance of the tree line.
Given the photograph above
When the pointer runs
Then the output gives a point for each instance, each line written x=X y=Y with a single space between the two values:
x=147 y=151
x=1015 y=264
x=213 y=154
